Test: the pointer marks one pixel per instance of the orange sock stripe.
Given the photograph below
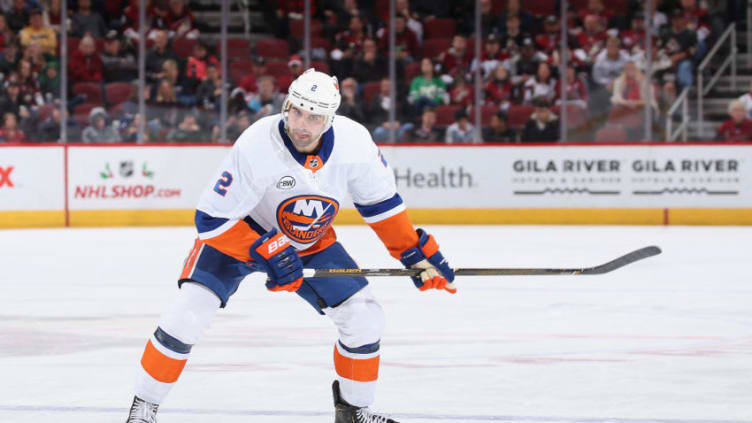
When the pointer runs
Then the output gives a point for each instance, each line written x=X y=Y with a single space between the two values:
x=397 y=233
x=360 y=370
x=191 y=260
x=159 y=366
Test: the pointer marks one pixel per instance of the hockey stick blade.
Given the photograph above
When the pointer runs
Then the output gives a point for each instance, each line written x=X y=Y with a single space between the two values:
x=612 y=265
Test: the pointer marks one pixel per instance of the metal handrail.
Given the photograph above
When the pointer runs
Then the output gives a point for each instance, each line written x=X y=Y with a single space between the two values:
x=682 y=100
x=702 y=88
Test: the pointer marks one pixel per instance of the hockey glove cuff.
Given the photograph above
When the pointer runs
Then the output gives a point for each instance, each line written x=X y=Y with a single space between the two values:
x=426 y=255
x=274 y=255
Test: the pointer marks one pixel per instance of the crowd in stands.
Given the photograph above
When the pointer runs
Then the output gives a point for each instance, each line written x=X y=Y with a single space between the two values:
x=605 y=81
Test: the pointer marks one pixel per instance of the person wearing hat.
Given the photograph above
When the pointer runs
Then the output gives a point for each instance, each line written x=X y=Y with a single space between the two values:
x=98 y=131
x=45 y=36
x=461 y=131
x=550 y=39
x=295 y=64
x=634 y=37
x=119 y=62
x=491 y=56
x=499 y=131
x=680 y=44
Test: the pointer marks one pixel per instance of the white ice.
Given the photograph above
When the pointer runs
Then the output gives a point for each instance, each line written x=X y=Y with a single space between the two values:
x=667 y=339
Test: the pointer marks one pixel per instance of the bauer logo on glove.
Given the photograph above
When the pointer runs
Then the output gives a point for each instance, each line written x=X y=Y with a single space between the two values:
x=274 y=254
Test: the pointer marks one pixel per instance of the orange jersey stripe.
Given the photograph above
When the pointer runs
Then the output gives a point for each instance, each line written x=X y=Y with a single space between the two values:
x=397 y=233
x=159 y=366
x=359 y=370
x=236 y=241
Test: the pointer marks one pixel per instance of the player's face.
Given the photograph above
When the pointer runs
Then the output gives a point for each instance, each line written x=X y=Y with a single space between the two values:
x=304 y=128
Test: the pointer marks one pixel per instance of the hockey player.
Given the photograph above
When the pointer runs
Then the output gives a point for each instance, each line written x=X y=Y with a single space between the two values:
x=270 y=209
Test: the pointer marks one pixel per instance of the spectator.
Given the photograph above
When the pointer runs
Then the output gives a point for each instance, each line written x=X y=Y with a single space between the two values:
x=236 y=124
x=156 y=15
x=525 y=65
x=162 y=113
x=406 y=42
x=681 y=46
x=210 y=91
x=45 y=36
x=12 y=102
x=196 y=67
x=633 y=38
x=491 y=56
x=369 y=66
x=28 y=84
x=295 y=64
x=350 y=106
x=746 y=99
x=591 y=39
x=51 y=16
x=18 y=16
x=98 y=130
x=9 y=57
x=85 y=65
x=596 y=8
x=49 y=129
x=180 y=21
x=499 y=90
x=461 y=94
x=576 y=90
x=33 y=54
x=609 y=63
x=461 y=131
x=738 y=128
x=49 y=81
x=632 y=91
x=514 y=8
x=119 y=63
x=488 y=20
x=248 y=81
x=379 y=115
x=543 y=125
x=511 y=41
x=171 y=73
x=659 y=18
x=157 y=55
x=10 y=132
x=542 y=86
x=349 y=44
x=427 y=131
x=550 y=40
x=426 y=89
x=6 y=34
x=697 y=21
x=499 y=131
x=188 y=130
x=130 y=133
x=87 y=21
x=456 y=60
x=268 y=101
x=413 y=18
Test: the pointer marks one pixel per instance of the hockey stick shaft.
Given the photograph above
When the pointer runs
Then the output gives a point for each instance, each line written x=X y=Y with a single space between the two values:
x=612 y=265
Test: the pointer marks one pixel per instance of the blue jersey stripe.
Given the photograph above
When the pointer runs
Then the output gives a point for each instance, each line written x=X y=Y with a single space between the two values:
x=378 y=208
x=206 y=223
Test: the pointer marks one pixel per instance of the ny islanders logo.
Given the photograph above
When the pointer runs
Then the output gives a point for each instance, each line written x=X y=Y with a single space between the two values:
x=306 y=218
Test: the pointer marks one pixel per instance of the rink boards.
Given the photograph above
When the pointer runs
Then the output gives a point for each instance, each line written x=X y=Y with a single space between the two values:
x=159 y=184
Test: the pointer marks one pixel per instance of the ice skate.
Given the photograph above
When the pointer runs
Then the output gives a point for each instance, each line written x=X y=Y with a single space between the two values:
x=346 y=413
x=142 y=412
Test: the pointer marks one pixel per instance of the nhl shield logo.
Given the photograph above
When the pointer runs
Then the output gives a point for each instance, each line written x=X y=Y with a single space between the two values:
x=314 y=163
x=306 y=218
x=126 y=168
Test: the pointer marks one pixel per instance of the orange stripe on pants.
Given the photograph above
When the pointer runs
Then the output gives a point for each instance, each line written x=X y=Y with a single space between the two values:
x=191 y=260
x=159 y=366
x=360 y=370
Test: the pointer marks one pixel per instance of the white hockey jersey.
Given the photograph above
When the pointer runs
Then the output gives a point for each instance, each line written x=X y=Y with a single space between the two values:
x=265 y=183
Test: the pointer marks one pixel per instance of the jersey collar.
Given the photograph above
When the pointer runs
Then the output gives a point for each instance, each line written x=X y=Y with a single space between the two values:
x=313 y=162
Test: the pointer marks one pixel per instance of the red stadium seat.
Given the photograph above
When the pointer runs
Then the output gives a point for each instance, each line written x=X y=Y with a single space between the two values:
x=238 y=48
x=576 y=115
x=629 y=118
x=92 y=91
x=519 y=115
x=272 y=48
x=445 y=115
x=81 y=113
x=72 y=44
x=610 y=133
x=45 y=111
x=440 y=28
x=321 y=43
x=297 y=28
x=117 y=92
x=541 y=7
x=370 y=90
x=486 y=113
x=435 y=46
x=183 y=47
x=238 y=69
x=320 y=66
x=411 y=71
x=277 y=69
x=283 y=83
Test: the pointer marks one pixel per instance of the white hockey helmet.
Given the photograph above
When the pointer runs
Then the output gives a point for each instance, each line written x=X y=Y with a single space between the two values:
x=314 y=92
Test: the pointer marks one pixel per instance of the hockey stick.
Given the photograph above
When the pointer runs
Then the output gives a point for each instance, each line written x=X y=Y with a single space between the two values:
x=612 y=265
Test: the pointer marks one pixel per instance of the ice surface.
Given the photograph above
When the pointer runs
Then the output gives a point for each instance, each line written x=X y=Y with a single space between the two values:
x=667 y=339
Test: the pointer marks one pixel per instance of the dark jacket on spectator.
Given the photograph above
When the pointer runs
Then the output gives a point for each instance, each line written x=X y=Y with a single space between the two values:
x=85 y=69
x=549 y=132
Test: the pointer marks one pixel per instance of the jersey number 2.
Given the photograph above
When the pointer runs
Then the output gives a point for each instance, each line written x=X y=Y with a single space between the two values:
x=222 y=183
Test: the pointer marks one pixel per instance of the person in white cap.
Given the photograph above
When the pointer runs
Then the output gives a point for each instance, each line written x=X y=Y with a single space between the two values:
x=269 y=208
